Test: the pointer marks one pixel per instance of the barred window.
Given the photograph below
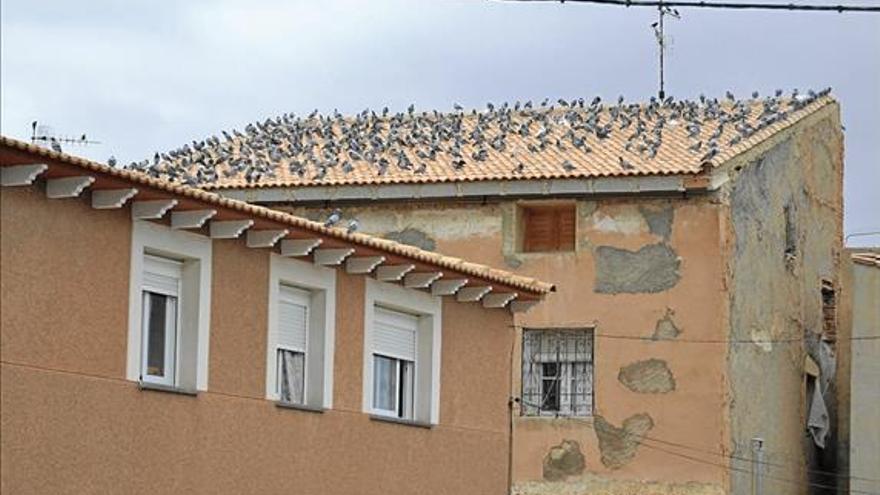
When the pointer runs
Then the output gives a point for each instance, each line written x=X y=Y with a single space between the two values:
x=557 y=372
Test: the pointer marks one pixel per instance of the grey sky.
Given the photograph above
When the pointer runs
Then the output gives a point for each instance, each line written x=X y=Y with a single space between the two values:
x=142 y=76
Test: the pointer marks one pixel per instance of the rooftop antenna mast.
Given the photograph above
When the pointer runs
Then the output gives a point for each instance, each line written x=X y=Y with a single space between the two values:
x=42 y=134
x=659 y=33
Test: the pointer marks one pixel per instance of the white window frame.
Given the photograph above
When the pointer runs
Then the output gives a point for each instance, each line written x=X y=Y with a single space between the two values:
x=320 y=283
x=303 y=297
x=429 y=309
x=190 y=366
x=171 y=269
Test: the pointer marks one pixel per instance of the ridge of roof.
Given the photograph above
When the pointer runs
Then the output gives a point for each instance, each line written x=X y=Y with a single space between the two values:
x=573 y=141
x=490 y=274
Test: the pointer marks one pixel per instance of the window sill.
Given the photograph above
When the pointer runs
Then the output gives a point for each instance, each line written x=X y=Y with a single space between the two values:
x=299 y=407
x=167 y=388
x=552 y=417
x=399 y=421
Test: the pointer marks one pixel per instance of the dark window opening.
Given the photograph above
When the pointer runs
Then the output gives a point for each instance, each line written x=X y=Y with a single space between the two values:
x=829 y=310
x=790 y=233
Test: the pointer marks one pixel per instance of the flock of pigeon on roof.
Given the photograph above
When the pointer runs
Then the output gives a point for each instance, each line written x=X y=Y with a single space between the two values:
x=311 y=146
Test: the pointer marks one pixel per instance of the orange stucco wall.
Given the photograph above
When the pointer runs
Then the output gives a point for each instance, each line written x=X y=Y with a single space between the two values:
x=71 y=423
x=692 y=414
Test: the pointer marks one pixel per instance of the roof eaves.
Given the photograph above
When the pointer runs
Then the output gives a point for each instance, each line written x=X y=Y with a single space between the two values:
x=533 y=286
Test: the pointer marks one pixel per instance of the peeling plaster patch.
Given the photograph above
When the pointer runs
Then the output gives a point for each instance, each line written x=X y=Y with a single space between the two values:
x=621 y=222
x=651 y=376
x=666 y=328
x=618 y=445
x=412 y=237
x=563 y=460
x=659 y=221
x=762 y=338
x=651 y=269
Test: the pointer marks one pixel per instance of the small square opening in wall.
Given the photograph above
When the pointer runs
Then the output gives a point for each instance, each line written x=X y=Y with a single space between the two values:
x=547 y=227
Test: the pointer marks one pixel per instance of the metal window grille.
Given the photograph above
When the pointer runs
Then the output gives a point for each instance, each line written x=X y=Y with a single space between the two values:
x=557 y=372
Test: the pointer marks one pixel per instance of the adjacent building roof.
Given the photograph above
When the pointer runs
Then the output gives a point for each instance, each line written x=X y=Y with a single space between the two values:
x=868 y=258
x=564 y=140
x=210 y=214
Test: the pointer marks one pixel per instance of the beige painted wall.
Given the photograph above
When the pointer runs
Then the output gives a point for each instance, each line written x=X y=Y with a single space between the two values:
x=692 y=414
x=862 y=288
x=71 y=423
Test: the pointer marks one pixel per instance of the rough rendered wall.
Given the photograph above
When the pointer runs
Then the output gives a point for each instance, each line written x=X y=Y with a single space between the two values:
x=72 y=423
x=647 y=270
x=775 y=296
x=862 y=293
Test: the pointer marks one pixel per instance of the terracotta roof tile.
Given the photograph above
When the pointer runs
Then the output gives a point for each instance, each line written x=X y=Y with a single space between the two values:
x=268 y=146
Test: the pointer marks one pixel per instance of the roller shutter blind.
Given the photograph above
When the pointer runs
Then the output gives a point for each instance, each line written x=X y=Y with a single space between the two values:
x=394 y=334
x=162 y=275
x=293 y=318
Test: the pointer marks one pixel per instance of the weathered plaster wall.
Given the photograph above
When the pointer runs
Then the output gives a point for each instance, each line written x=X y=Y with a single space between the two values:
x=71 y=423
x=647 y=270
x=777 y=297
x=860 y=379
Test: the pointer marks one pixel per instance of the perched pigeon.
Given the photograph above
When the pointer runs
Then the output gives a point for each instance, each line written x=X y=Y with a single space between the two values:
x=334 y=218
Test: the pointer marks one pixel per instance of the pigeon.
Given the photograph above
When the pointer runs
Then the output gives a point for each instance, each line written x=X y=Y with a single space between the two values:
x=625 y=164
x=56 y=146
x=334 y=218
x=353 y=225
x=567 y=166
x=111 y=161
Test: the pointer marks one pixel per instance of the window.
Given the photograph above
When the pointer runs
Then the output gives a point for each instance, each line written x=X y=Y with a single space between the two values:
x=548 y=228
x=394 y=354
x=557 y=373
x=401 y=353
x=161 y=293
x=169 y=307
x=301 y=334
x=291 y=343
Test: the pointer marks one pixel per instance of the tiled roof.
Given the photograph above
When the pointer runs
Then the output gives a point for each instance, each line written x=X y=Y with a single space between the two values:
x=510 y=142
x=10 y=155
x=868 y=258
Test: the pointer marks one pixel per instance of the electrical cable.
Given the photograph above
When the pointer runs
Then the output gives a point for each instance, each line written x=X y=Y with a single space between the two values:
x=722 y=5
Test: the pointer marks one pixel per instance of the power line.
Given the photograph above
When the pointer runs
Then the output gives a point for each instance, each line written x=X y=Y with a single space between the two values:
x=790 y=340
x=722 y=5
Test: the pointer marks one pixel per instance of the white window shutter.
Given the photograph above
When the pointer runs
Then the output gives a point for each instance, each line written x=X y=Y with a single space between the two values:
x=162 y=275
x=293 y=319
x=394 y=334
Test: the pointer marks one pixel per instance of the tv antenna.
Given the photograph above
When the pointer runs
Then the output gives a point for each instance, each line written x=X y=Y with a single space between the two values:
x=43 y=134
x=659 y=33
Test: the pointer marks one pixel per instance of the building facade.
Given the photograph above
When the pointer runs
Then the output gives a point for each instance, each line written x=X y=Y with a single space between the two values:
x=691 y=345
x=859 y=381
x=160 y=339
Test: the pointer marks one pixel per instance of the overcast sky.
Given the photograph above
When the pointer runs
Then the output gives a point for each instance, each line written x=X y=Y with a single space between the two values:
x=141 y=76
